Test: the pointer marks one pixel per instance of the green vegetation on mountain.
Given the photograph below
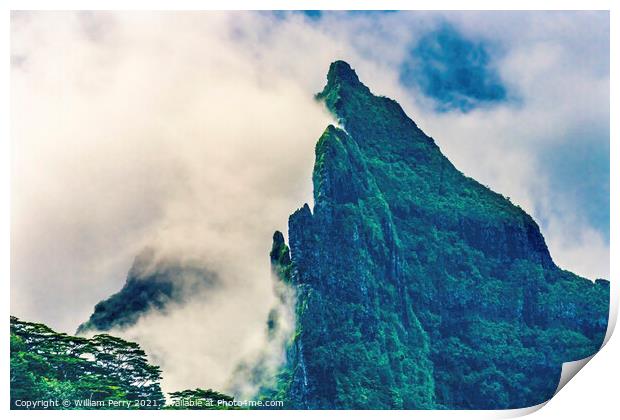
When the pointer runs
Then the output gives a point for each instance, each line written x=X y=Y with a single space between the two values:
x=417 y=287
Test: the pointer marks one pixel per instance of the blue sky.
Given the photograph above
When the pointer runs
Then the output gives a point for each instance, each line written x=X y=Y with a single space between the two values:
x=455 y=71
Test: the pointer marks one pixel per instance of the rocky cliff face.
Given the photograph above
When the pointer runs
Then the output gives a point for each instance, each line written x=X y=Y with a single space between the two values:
x=417 y=287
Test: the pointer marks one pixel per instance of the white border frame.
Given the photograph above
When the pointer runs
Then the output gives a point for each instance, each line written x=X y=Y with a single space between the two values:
x=592 y=395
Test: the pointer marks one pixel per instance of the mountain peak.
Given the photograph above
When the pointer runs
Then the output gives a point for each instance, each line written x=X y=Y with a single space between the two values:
x=341 y=76
x=341 y=71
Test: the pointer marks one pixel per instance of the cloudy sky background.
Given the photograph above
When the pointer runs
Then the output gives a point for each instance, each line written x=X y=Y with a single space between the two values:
x=194 y=133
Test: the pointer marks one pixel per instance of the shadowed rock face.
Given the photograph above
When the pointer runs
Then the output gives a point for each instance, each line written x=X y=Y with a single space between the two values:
x=151 y=285
x=417 y=287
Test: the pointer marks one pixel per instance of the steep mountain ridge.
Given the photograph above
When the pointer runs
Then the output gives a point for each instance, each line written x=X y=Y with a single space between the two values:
x=418 y=287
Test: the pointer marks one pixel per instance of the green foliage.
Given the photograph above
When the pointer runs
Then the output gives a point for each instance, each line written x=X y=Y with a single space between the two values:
x=46 y=365
x=103 y=372
x=199 y=399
